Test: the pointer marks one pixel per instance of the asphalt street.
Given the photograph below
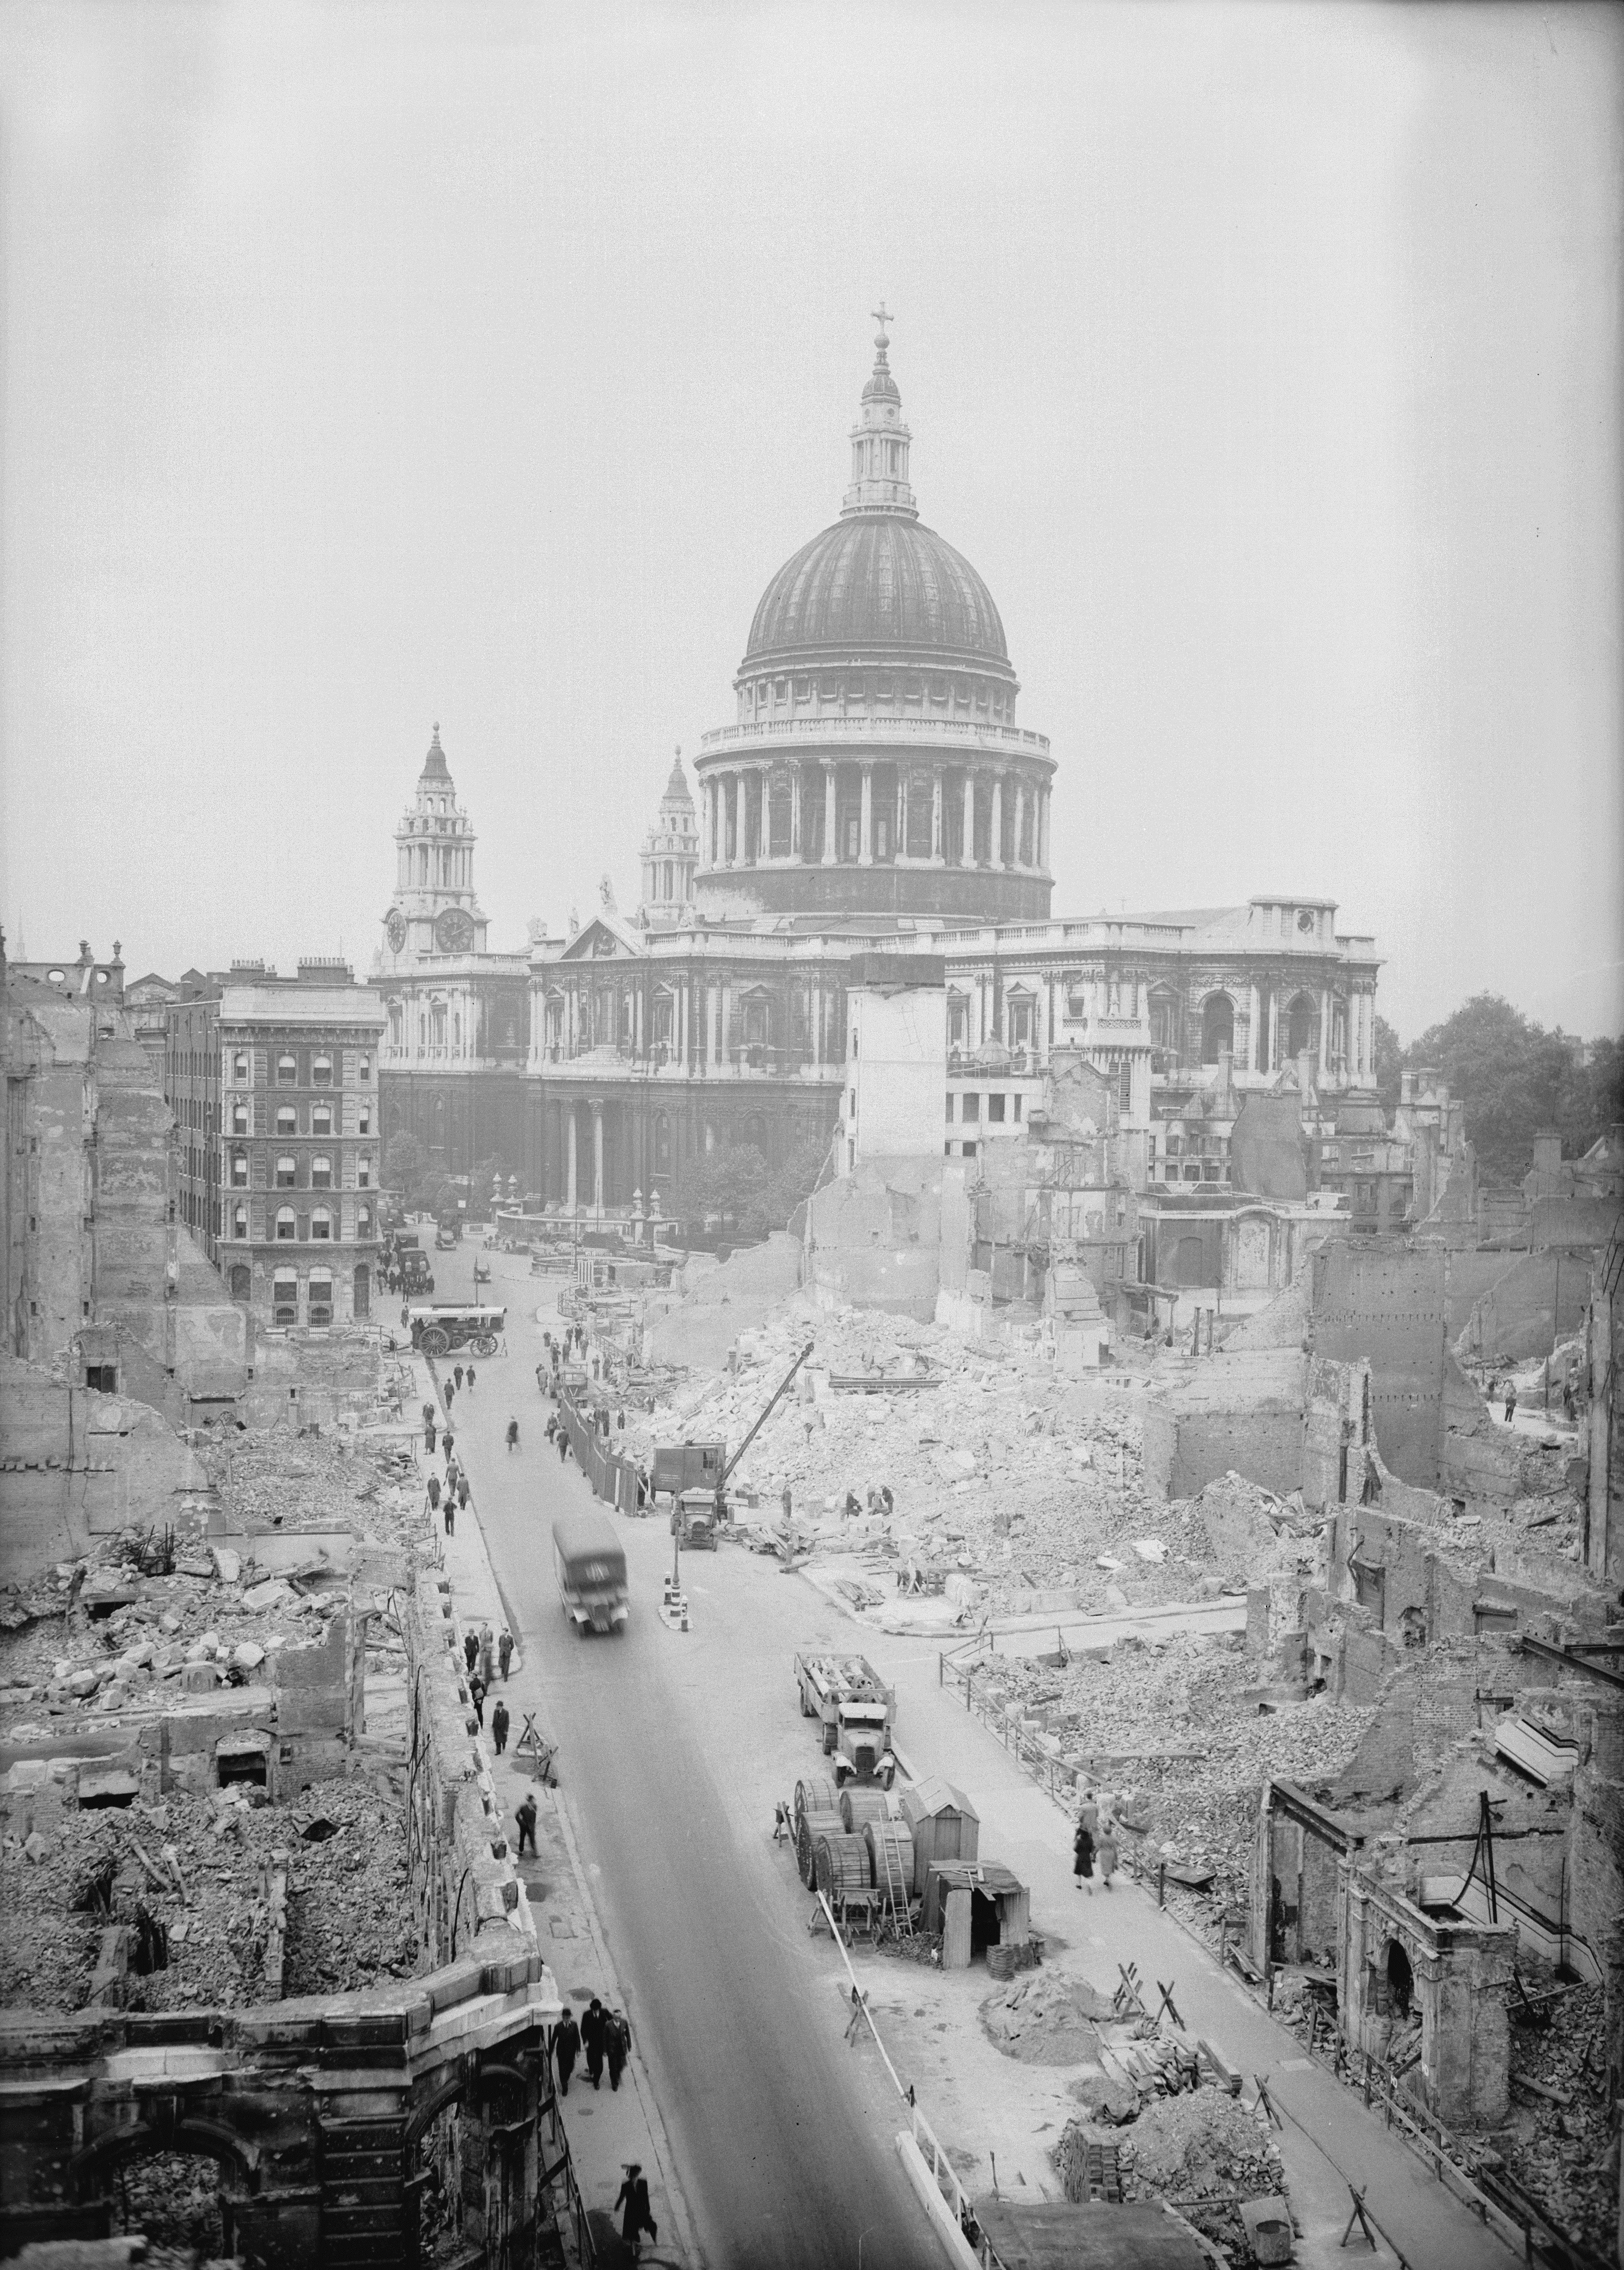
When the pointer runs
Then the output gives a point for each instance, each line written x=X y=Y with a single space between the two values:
x=784 y=2135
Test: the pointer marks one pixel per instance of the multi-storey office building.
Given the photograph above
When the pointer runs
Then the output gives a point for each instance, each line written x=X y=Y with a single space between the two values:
x=274 y=1082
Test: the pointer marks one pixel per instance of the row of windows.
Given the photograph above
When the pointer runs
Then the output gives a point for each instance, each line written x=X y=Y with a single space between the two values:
x=322 y=1073
x=286 y=1224
x=285 y=1171
x=287 y=1119
x=998 y=1104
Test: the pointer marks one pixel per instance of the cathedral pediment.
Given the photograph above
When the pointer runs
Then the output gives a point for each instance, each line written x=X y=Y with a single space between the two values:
x=604 y=939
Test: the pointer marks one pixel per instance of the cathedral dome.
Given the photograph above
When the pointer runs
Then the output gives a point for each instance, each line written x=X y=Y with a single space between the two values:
x=876 y=583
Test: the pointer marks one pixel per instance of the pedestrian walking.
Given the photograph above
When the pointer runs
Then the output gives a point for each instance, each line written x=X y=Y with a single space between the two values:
x=487 y=1655
x=552 y=1425
x=636 y=2218
x=563 y=1444
x=500 y=1723
x=617 y=2047
x=566 y=2049
x=470 y=1379
x=428 y=1414
x=1105 y=1853
x=476 y=1696
x=457 y=1375
x=513 y=1433
x=1568 y=1407
x=429 y=1435
x=450 y=1396
x=462 y=1487
x=1082 y=1857
x=471 y=1649
x=450 y=1440
x=504 y=1651
x=450 y=1516
x=526 y=1818
x=1510 y=1403
x=433 y=1492
x=592 y=2039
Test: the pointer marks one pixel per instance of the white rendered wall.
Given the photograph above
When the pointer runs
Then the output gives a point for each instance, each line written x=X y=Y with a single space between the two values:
x=898 y=1074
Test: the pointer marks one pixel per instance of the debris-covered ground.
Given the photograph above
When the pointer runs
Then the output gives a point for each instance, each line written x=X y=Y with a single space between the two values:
x=998 y=1468
x=349 y=1917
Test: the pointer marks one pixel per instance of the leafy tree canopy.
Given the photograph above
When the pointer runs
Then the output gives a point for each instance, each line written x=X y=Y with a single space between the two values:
x=1515 y=1078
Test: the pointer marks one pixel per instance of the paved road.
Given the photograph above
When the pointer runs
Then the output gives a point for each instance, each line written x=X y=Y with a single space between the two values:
x=784 y=2137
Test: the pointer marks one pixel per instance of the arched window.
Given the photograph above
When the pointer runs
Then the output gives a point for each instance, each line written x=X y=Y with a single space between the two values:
x=287 y=1071
x=1217 y=1026
x=321 y=1223
x=285 y=1300
x=322 y=1072
x=363 y=1223
x=321 y=1172
x=287 y=1120
x=287 y=1171
x=286 y=1224
x=320 y=1309
x=240 y=1221
x=239 y=1068
x=363 y=1172
x=365 y=1069
x=239 y=1171
x=1300 y=1019
x=239 y=1118
x=321 y=1119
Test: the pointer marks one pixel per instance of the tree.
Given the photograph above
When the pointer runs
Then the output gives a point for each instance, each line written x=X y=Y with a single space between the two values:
x=405 y=1163
x=1513 y=1079
x=1389 y=1056
x=725 y=1186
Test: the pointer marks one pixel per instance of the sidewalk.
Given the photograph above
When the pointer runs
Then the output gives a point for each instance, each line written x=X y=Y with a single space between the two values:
x=605 y=2128
x=1329 y=2138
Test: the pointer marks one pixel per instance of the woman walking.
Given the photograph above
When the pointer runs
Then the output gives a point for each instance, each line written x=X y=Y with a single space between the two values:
x=1082 y=1856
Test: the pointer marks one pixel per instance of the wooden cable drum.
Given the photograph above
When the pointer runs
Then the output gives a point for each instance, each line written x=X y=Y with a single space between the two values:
x=861 y=1805
x=840 y=1864
x=891 y=1850
x=817 y=1794
x=808 y=1829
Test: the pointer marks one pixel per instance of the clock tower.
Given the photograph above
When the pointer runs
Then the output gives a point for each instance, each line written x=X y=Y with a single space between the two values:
x=434 y=911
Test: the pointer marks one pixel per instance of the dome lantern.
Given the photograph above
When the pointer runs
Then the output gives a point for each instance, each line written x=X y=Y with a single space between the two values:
x=879 y=441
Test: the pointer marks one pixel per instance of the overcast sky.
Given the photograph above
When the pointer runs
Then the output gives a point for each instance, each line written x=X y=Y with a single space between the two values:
x=366 y=367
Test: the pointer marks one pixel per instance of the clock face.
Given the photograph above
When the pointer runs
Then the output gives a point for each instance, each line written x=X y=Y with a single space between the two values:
x=395 y=929
x=454 y=931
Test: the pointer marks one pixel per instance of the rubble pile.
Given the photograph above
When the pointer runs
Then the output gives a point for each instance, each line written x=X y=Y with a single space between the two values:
x=1181 y=1725
x=1049 y=2018
x=197 y=1868
x=103 y=1638
x=999 y=1469
x=1557 y=2145
x=266 y=1478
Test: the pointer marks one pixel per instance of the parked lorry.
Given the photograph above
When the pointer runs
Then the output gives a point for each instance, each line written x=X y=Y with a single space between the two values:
x=588 y=1562
x=856 y=1707
x=416 y=1276
x=678 y=1467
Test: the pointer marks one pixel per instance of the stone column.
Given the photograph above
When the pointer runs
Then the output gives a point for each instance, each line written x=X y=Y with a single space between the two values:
x=1020 y=813
x=1274 y=1028
x=865 y=837
x=1325 y=1034
x=795 y=810
x=936 y=814
x=598 y=1158
x=899 y=819
x=828 y=814
x=969 y=820
x=1252 y=1011
x=994 y=825
x=569 y=1152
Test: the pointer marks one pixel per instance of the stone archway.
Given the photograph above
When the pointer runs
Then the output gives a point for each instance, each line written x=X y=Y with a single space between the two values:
x=1217 y=1027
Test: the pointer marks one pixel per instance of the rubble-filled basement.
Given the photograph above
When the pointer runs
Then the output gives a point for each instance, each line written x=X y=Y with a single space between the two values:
x=208 y=1729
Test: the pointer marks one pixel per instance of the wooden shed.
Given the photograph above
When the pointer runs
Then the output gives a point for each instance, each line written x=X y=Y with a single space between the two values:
x=946 y=1826
x=974 y=1904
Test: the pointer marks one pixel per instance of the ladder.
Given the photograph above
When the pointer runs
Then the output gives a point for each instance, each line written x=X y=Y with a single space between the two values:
x=893 y=1890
